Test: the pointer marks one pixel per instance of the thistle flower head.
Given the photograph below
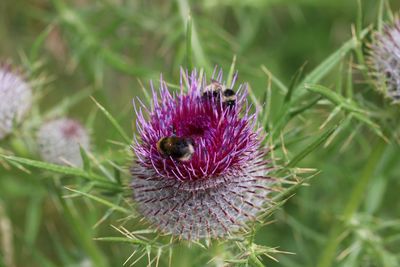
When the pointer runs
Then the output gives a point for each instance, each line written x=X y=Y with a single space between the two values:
x=222 y=182
x=60 y=140
x=385 y=60
x=15 y=98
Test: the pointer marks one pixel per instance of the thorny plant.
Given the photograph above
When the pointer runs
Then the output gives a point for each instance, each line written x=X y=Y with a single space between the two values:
x=239 y=173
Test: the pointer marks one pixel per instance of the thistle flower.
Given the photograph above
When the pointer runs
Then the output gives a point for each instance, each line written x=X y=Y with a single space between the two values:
x=60 y=140
x=385 y=60
x=15 y=99
x=222 y=182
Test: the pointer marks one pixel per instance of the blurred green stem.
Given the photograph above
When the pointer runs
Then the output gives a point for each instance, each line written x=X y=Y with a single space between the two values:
x=19 y=146
x=91 y=41
x=189 y=63
x=6 y=238
x=356 y=197
x=195 y=44
x=220 y=253
x=80 y=232
x=254 y=261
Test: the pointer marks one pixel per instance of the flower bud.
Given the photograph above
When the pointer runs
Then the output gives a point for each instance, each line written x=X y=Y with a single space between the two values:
x=15 y=99
x=60 y=141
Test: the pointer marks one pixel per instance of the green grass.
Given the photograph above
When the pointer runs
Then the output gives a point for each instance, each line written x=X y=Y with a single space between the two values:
x=335 y=139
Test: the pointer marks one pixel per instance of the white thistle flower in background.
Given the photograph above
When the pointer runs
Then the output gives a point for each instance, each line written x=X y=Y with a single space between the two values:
x=85 y=263
x=60 y=140
x=385 y=60
x=15 y=99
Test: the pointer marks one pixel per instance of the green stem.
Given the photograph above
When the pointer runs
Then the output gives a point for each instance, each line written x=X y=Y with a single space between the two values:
x=196 y=47
x=81 y=233
x=19 y=146
x=356 y=197
x=189 y=63
x=254 y=261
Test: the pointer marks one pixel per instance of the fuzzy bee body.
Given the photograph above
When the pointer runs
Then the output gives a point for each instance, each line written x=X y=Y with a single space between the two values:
x=179 y=148
x=214 y=86
x=229 y=97
x=212 y=90
x=215 y=90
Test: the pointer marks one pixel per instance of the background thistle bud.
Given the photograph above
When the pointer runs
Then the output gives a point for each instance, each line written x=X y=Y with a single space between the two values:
x=221 y=182
x=60 y=140
x=385 y=60
x=15 y=98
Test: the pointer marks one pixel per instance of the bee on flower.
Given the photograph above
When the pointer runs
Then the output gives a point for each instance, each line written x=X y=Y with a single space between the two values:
x=200 y=169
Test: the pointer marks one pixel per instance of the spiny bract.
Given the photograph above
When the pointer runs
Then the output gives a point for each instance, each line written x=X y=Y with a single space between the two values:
x=385 y=60
x=15 y=99
x=225 y=182
x=60 y=140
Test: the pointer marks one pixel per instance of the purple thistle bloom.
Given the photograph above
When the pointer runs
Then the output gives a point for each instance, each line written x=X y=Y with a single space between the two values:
x=385 y=60
x=223 y=184
x=60 y=141
x=15 y=98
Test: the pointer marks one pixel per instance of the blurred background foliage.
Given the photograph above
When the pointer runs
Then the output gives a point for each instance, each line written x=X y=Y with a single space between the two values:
x=108 y=48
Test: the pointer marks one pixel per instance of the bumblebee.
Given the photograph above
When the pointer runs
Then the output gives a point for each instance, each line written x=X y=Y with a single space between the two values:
x=216 y=90
x=229 y=98
x=214 y=86
x=179 y=148
x=212 y=90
